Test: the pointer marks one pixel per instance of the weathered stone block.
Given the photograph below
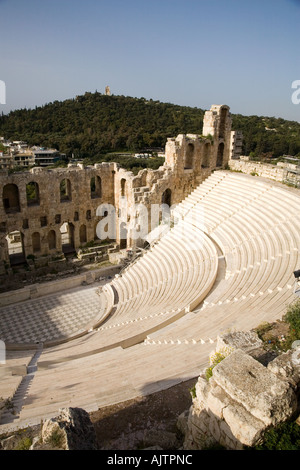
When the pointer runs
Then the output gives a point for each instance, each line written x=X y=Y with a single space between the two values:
x=216 y=401
x=182 y=422
x=287 y=366
x=242 y=425
x=261 y=392
x=247 y=341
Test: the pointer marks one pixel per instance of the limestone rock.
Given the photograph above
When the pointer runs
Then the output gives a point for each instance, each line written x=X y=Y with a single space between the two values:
x=262 y=393
x=36 y=443
x=71 y=430
x=243 y=426
x=248 y=341
x=287 y=366
x=216 y=400
x=9 y=443
x=263 y=356
x=182 y=422
x=245 y=340
x=240 y=401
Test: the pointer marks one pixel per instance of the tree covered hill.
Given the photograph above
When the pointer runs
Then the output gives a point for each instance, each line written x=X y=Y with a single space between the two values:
x=93 y=124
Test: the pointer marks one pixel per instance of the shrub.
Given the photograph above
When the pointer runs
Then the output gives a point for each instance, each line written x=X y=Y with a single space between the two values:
x=193 y=391
x=216 y=359
x=24 y=444
x=56 y=439
x=292 y=317
x=286 y=436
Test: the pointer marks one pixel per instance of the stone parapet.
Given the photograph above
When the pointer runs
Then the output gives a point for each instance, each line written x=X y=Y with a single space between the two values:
x=264 y=170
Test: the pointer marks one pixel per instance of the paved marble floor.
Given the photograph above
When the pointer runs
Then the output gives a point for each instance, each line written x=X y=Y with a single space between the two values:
x=50 y=317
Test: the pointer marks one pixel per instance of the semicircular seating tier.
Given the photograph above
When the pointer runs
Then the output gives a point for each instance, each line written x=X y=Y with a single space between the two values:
x=256 y=225
x=227 y=264
x=170 y=279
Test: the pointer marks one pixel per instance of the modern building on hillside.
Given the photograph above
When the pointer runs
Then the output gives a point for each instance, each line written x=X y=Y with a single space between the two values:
x=46 y=157
x=6 y=161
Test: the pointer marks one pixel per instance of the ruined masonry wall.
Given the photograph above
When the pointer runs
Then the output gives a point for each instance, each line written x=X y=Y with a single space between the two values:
x=50 y=212
x=189 y=160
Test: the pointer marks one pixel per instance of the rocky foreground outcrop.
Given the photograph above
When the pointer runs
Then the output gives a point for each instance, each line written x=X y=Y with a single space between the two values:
x=248 y=392
x=245 y=395
x=72 y=429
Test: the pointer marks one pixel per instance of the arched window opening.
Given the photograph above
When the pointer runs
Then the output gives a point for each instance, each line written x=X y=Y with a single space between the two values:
x=36 y=242
x=189 y=157
x=52 y=240
x=96 y=187
x=67 y=237
x=32 y=194
x=65 y=190
x=123 y=236
x=206 y=156
x=10 y=197
x=220 y=154
x=166 y=201
x=15 y=243
x=166 y=197
x=123 y=187
x=82 y=234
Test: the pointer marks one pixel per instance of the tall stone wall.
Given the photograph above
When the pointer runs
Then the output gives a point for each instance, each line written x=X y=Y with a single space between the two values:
x=51 y=207
x=63 y=213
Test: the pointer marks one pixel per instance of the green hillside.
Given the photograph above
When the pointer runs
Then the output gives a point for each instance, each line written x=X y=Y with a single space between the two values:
x=91 y=125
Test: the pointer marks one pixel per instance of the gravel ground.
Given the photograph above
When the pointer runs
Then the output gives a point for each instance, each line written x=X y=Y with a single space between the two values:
x=144 y=422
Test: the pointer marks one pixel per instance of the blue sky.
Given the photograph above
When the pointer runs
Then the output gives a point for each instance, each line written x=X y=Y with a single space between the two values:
x=244 y=53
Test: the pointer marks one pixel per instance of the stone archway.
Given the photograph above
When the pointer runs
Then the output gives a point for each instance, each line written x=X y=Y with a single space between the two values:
x=65 y=189
x=189 y=157
x=206 y=155
x=67 y=237
x=15 y=243
x=96 y=187
x=32 y=194
x=11 y=199
x=123 y=187
x=52 y=240
x=82 y=234
x=36 y=242
x=123 y=236
x=166 y=197
x=220 y=155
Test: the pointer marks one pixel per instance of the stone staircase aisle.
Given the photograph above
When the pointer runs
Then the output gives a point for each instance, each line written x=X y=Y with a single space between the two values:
x=13 y=412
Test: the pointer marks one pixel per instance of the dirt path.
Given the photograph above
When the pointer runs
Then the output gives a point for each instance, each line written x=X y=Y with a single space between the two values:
x=144 y=422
